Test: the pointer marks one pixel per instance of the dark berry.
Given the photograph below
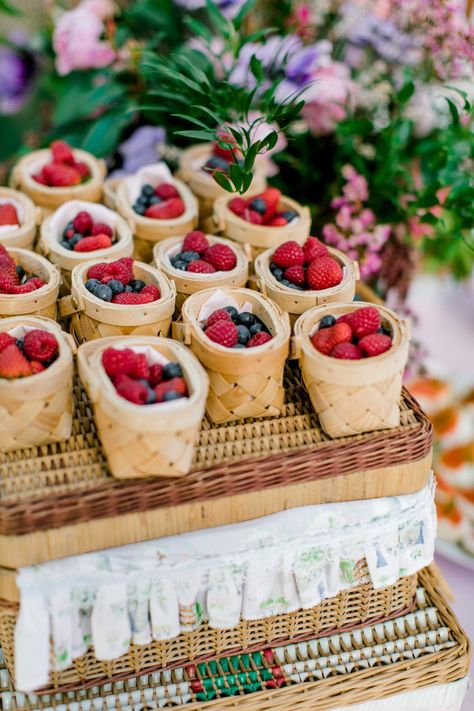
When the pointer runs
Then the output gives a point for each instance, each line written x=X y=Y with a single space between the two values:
x=189 y=256
x=298 y=287
x=172 y=370
x=116 y=286
x=20 y=343
x=285 y=282
x=259 y=205
x=142 y=200
x=139 y=209
x=65 y=244
x=137 y=285
x=256 y=328
x=151 y=396
x=327 y=321
x=239 y=345
x=92 y=284
x=217 y=162
x=385 y=331
x=74 y=240
x=289 y=215
x=128 y=289
x=180 y=264
x=103 y=291
x=20 y=271
x=245 y=319
x=155 y=200
x=148 y=190
x=243 y=334
x=171 y=395
x=50 y=361
x=70 y=226
x=232 y=311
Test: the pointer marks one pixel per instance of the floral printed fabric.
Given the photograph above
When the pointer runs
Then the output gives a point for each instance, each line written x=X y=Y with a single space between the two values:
x=269 y=566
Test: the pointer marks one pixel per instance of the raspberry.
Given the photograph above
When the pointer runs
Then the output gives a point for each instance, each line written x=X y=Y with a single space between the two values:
x=177 y=384
x=132 y=299
x=346 y=351
x=118 y=361
x=364 y=321
x=295 y=275
x=375 y=344
x=128 y=263
x=6 y=340
x=277 y=221
x=195 y=241
x=323 y=273
x=120 y=271
x=37 y=367
x=58 y=175
x=131 y=390
x=100 y=228
x=221 y=256
x=7 y=286
x=151 y=290
x=8 y=268
x=219 y=315
x=166 y=191
x=288 y=254
x=253 y=216
x=345 y=318
x=313 y=249
x=82 y=168
x=224 y=333
x=259 y=339
x=328 y=338
x=141 y=368
x=83 y=223
x=61 y=152
x=90 y=244
x=13 y=363
x=99 y=271
x=199 y=266
x=8 y=215
x=156 y=374
x=270 y=198
x=40 y=345
x=238 y=206
x=28 y=286
x=167 y=210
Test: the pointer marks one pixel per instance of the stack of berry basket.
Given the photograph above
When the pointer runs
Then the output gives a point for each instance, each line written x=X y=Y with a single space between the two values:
x=231 y=504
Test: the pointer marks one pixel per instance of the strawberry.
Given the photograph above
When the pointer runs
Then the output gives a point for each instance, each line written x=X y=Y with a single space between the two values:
x=118 y=361
x=141 y=368
x=28 y=286
x=277 y=221
x=259 y=339
x=270 y=199
x=364 y=321
x=6 y=340
x=238 y=206
x=151 y=290
x=177 y=384
x=166 y=191
x=40 y=178
x=99 y=228
x=13 y=363
x=40 y=345
x=346 y=351
x=195 y=241
x=61 y=152
x=99 y=271
x=199 y=266
x=327 y=338
x=132 y=299
x=83 y=223
x=288 y=254
x=156 y=374
x=226 y=153
x=7 y=286
x=295 y=274
x=8 y=215
x=58 y=175
x=131 y=390
x=82 y=168
x=90 y=244
x=374 y=344
x=252 y=216
x=224 y=333
x=167 y=210
x=221 y=256
x=218 y=315
x=37 y=367
x=323 y=273
x=313 y=249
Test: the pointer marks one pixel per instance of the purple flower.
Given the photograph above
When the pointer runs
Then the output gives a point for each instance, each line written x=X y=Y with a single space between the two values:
x=18 y=69
x=140 y=149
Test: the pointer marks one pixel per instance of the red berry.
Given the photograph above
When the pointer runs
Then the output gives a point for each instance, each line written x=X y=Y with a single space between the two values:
x=132 y=299
x=58 y=175
x=37 y=367
x=8 y=267
x=346 y=351
x=199 y=266
x=195 y=241
x=253 y=216
x=13 y=363
x=128 y=263
x=219 y=315
x=323 y=273
x=61 y=152
x=226 y=153
x=221 y=256
x=121 y=271
x=82 y=168
x=288 y=254
x=375 y=344
x=7 y=285
x=90 y=244
x=345 y=318
x=99 y=271
x=271 y=198
x=28 y=286
x=152 y=291
x=83 y=223
x=100 y=228
x=8 y=215
x=40 y=178
x=40 y=345
x=259 y=339
x=156 y=374
x=277 y=221
x=141 y=368
x=223 y=332
x=167 y=210
x=118 y=361
x=6 y=340
x=238 y=206
x=364 y=321
x=295 y=275
x=313 y=249
x=131 y=390
x=166 y=191
x=326 y=339
x=177 y=385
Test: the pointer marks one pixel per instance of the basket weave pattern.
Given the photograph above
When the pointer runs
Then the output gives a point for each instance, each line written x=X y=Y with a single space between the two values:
x=24 y=236
x=43 y=301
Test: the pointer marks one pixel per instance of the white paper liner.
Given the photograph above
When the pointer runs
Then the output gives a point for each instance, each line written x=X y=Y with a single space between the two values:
x=69 y=210
x=154 y=175
x=219 y=300
x=19 y=211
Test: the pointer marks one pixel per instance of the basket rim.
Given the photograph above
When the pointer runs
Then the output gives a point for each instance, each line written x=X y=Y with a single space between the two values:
x=189 y=199
x=53 y=275
x=159 y=252
x=31 y=219
x=86 y=157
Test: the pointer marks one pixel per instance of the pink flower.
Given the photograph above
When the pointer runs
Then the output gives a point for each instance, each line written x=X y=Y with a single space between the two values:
x=327 y=98
x=100 y=8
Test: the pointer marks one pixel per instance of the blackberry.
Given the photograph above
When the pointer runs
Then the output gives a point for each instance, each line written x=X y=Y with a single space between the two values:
x=172 y=370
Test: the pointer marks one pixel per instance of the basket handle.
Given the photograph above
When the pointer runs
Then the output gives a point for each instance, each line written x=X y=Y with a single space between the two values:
x=405 y=328
x=181 y=332
x=247 y=249
x=71 y=304
x=262 y=287
x=15 y=181
x=355 y=267
x=102 y=168
x=296 y=348
x=218 y=218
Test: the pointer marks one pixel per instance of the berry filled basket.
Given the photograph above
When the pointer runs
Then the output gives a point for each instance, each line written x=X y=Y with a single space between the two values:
x=244 y=381
x=350 y=393
x=93 y=317
x=155 y=438
x=35 y=383
x=42 y=300
x=18 y=219
x=188 y=281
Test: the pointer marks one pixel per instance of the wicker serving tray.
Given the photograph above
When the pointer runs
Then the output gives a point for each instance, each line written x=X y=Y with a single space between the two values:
x=413 y=652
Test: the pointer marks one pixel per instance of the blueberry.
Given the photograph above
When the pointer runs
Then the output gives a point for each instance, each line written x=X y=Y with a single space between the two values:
x=151 y=397
x=139 y=209
x=172 y=370
x=243 y=334
x=65 y=244
x=155 y=200
x=50 y=361
x=189 y=256
x=217 y=162
x=74 y=240
x=295 y=286
x=259 y=205
x=171 y=395
x=289 y=215
x=137 y=285
x=69 y=226
x=245 y=319
x=92 y=284
x=385 y=331
x=285 y=282
x=20 y=271
x=256 y=328
x=103 y=291
x=148 y=190
x=20 y=343
x=142 y=200
x=128 y=289
x=232 y=311
x=278 y=273
x=327 y=321
x=116 y=286
x=239 y=345
x=180 y=264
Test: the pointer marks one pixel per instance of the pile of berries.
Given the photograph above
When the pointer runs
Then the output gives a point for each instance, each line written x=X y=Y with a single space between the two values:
x=115 y=282
x=63 y=170
x=307 y=267
x=8 y=215
x=262 y=209
x=353 y=336
x=199 y=257
x=82 y=234
x=141 y=383
x=227 y=327
x=161 y=203
x=21 y=357
x=222 y=158
x=13 y=278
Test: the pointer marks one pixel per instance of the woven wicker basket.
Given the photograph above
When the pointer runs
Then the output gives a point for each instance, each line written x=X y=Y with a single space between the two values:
x=51 y=198
x=297 y=302
x=188 y=283
x=110 y=192
x=41 y=302
x=22 y=237
x=147 y=231
x=243 y=383
x=203 y=185
x=37 y=410
x=147 y=440
x=68 y=259
x=350 y=396
x=93 y=318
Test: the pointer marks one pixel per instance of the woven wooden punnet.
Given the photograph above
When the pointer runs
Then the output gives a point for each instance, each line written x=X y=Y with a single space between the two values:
x=242 y=383
x=202 y=183
x=145 y=440
x=51 y=198
x=24 y=235
x=187 y=282
x=110 y=190
x=297 y=302
x=93 y=318
x=66 y=260
x=37 y=410
x=351 y=396
x=41 y=302
x=351 y=608
x=147 y=231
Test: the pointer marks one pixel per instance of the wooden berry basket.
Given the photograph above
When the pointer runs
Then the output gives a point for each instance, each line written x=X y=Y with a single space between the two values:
x=297 y=302
x=351 y=396
x=93 y=318
x=43 y=301
x=51 y=198
x=110 y=192
x=188 y=283
x=148 y=440
x=37 y=410
x=22 y=237
x=66 y=260
x=243 y=383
